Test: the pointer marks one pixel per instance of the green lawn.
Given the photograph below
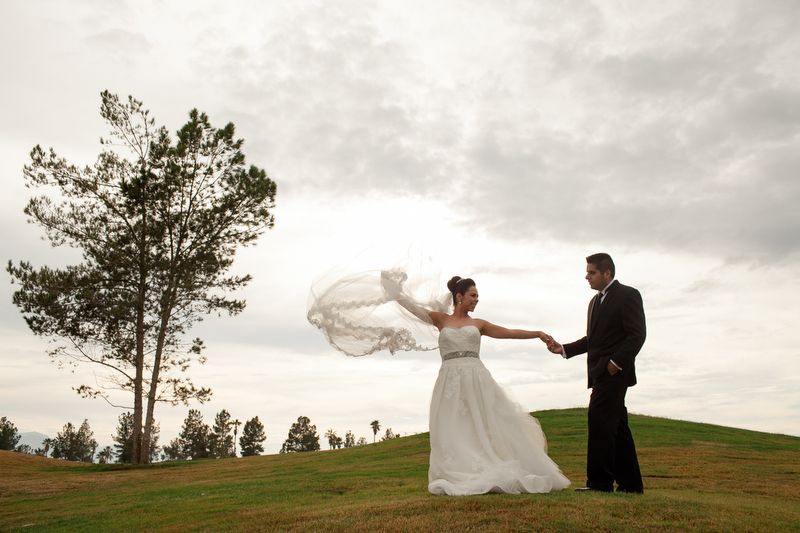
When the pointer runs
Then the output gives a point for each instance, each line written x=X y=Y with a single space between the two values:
x=698 y=477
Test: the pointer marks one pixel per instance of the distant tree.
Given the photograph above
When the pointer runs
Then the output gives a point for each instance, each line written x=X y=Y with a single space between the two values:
x=124 y=438
x=158 y=234
x=236 y=425
x=252 y=438
x=334 y=440
x=105 y=455
x=361 y=441
x=123 y=449
x=375 y=427
x=23 y=448
x=9 y=437
x=75 y=444
x=194 y=436
x=173 y=451
x=46 y=445
x=302 y=437
x=349 y=439
x=389 y=435
x=221 y=440
x=331 y=436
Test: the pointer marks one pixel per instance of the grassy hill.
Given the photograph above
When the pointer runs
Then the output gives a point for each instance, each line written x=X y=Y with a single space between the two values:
x=698 y=477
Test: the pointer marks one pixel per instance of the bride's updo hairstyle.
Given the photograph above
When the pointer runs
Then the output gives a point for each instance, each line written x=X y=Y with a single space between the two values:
x=459 y=285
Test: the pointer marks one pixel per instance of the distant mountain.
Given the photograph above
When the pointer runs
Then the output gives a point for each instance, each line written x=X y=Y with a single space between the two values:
x=33 y=439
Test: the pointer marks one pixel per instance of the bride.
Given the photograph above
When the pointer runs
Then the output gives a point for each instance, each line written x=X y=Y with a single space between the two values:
x=481 y=441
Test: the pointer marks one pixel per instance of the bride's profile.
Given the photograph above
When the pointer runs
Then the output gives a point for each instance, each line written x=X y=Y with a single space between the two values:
x=481 y=441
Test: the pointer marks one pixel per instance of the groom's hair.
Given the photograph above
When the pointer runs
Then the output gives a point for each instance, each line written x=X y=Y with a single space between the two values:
x=602 y=261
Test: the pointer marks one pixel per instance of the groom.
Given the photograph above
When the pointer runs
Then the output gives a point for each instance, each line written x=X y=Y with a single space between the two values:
x=614 y=335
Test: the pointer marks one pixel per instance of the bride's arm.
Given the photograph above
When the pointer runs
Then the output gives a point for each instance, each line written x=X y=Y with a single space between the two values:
x=430 y=312
x=419 y=312
x=392 y=282
x=499 y=332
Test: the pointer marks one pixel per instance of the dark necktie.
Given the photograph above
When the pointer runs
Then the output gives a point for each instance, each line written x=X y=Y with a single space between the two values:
x=596 y=306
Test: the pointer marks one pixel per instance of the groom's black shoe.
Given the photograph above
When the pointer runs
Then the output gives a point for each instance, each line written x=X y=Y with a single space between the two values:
x=630 y=491
x=590 y=489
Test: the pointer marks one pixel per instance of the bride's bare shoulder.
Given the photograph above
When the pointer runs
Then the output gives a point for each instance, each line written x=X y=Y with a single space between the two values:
x=479 y=323
x=438 y=318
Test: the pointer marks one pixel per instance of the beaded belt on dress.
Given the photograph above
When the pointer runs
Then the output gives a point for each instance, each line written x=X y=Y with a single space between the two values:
x=456 y=355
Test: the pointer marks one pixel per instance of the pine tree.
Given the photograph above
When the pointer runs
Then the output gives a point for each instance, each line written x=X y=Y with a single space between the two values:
x=194 y=436
x=302 y=437
x=8 y=435
x=173 y=451
x=123 y=447
x=75 y=444
x=221 y=445
x=158 y=235
x=252 y=437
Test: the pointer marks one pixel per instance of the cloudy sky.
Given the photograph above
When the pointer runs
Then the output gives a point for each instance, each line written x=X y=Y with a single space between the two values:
x=507 y=139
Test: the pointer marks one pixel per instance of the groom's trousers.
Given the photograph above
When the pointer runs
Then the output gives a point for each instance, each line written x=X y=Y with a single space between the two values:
x=612 y=453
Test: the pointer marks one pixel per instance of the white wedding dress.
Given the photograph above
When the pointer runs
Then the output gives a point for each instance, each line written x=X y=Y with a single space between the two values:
x=481 y=441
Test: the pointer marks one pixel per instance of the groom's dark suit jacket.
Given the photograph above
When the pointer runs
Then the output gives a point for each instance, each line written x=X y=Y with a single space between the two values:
x=615 y=331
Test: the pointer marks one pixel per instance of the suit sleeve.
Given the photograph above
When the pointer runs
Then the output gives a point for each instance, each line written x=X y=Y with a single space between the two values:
x=575 y=348
x=633 y=324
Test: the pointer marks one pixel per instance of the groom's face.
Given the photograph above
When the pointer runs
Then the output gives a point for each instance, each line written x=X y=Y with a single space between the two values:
x=597 y=280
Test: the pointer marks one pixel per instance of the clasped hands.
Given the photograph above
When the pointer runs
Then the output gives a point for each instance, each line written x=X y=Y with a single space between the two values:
x=551 y=343
x=556 y=348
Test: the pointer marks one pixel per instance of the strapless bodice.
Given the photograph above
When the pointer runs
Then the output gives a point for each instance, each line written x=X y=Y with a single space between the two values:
x=459 y=342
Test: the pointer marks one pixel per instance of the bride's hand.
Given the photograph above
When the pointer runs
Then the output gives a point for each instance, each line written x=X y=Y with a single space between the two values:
x=545 y=338
x=554 y=346
x=392 y=283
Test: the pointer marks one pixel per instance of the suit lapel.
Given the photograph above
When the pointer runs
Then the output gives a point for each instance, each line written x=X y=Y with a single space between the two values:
x=596 y=308
x=594 y=312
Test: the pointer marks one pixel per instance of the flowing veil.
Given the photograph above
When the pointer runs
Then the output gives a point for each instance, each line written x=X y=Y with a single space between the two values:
x=364 y=311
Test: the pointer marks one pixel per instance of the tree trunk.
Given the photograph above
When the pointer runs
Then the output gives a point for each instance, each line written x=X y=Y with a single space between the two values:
x=137 y=402
x=136 y=452
x=167 y=304
x=138 y=455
